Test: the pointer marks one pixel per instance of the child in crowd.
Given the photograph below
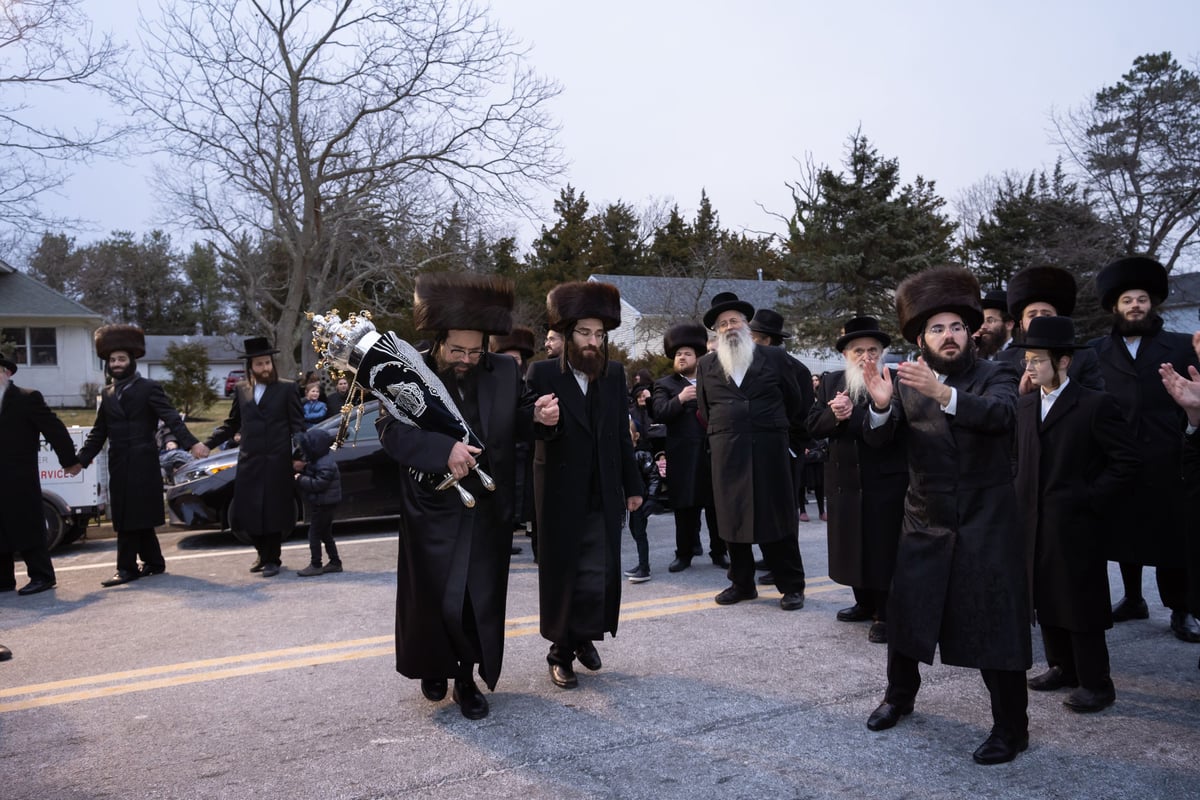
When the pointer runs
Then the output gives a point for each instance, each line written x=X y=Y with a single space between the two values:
x=320 y=484
x=314 y=406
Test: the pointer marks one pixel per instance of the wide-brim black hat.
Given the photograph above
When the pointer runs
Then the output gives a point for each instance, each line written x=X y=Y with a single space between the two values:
x=8 y=364
x=769 y=322
x=1052 y=285
x=726 y=301
x=937 y=290
x=257 y=346
x=1132 y=272
x=685 y=334
x=860 y=327
x=1050 y=333
x=125 y=338
x=568 y=303
x=995 y=298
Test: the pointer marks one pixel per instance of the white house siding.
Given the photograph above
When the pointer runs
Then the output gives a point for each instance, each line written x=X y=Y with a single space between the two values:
x=61 y=384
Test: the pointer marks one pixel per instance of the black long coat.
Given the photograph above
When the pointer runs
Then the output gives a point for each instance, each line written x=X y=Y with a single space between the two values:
x=576 y=450
x=960 y=583
x=24 y=417
x=448 y=552
x=1150 y=531
x=750 y=431
x=1191 y=476
x=1073 y=470
x=689 y=468
x=264 y=491
x=134 y=476
x=864 y=492
x=1084 y=368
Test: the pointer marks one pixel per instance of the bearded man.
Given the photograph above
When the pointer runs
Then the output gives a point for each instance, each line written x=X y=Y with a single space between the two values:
x=266 y=412
x=130 y=410
x=996 y=332
x=959 y=585
x=754 y=410
x=866 y=485
x=590 y=477
x=1151 y=531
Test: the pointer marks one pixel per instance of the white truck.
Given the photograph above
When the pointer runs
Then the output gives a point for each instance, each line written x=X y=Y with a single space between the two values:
x=69 y=502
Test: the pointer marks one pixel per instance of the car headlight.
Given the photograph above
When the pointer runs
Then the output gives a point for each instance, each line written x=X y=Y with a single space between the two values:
x=196 y=473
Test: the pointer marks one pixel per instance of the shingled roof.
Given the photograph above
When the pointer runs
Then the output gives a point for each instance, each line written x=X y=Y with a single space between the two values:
x=22 y=296
x=691 y=297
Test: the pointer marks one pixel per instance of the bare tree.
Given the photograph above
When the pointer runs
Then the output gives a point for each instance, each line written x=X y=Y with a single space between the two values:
x=297 y=124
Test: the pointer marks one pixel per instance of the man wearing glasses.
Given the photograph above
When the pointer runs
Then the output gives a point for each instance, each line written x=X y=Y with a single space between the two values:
x=960 y=584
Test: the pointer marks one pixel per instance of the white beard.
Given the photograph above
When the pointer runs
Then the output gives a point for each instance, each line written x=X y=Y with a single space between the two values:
x=735 y=351
x=856 y=385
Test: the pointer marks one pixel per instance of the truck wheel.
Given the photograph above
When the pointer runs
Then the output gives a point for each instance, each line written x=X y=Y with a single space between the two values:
x=56 y=526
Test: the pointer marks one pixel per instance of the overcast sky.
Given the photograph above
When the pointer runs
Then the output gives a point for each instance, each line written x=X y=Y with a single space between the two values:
x=661 y=99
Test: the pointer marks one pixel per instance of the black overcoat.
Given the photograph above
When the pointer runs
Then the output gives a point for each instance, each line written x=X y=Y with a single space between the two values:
x=134 y=475
x=1150 y=531
x=576 y=450
x=689 y=468
x=450 y=554
x=24 y=418
x=1084 y=368
x=753 y=429
x=1191 y=476
x=264 y=490
x=1074 y=469
x=864 y=492
x=960 y=583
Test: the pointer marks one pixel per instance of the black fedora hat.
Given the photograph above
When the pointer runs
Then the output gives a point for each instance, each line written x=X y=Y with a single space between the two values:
x=995 y=298
x=770 y=322
x=858 y=327
x=8 y=364
x=1051 y=333
x=1132 y=272
x=257 y=346
x=726 y=301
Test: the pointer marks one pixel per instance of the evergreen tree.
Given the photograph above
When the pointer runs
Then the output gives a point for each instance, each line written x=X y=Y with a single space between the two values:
x=189 y=389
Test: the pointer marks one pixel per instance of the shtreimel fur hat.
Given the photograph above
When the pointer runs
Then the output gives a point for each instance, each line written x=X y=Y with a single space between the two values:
x=568 y=303
x=1052 y=285
x=520 y=339
x=1132 y=272
x=463 y=301
x=126 y=338
x=685 y=334
x=933 y=291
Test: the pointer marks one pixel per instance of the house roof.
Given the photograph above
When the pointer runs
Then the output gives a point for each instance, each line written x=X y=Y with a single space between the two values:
x=22 y=296
x=1185 y=289
x=691 y=297
x=218 y=348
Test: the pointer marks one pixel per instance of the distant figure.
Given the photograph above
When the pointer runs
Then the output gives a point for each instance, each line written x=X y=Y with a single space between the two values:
x=320 y=484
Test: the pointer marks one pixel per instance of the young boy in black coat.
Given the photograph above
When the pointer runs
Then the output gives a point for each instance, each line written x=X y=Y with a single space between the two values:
x=320 y=484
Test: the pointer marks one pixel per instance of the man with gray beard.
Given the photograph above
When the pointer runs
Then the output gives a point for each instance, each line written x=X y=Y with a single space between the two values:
x=865 y=485
x=754 y=410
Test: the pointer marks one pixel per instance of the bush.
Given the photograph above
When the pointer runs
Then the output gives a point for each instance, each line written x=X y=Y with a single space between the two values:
x=190 y=388
x=89 y=391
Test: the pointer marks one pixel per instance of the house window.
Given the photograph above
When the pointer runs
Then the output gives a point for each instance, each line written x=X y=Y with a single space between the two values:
x=36 y=346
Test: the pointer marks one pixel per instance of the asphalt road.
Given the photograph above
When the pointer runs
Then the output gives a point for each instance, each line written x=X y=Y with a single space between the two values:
x=211 y=682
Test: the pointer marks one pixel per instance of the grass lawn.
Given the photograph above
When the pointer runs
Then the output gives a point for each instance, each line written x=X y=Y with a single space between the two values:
x=201 y=423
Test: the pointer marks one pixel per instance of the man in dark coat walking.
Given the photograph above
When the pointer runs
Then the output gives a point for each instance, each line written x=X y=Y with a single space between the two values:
x=130 y=410
x=755 y=409
x=1150 y=532
x=1076 y=460
x=24 y=419
x=591 y=478
x=864 y=485
x=689 y=468
x=960 y=583
x=452 y=583
x=266 y=411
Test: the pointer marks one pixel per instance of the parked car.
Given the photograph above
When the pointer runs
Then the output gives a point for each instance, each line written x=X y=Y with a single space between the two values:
x=203 y=489
x=232 y=379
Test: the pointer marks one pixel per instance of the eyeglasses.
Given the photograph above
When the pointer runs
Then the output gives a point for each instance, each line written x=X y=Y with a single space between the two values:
x=587 y=335
x=1035 y=362
x=732 y=322
x=941 y=330
x=457 y=354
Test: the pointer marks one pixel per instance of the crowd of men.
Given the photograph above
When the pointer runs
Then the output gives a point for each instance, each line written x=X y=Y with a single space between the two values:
x=981 y=488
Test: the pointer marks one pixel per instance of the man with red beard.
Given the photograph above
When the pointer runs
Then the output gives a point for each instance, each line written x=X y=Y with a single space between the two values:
x=754 y=409
x=590 y=477
x=959 y=586
x=1151 y=531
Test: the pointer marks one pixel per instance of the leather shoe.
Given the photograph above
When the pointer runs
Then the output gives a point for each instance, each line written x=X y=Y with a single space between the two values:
x=470 y=700
x=257 y=566
x=698 y=550
x=1051 y=679
x=270 y=570
x=1130 y=609
x=792 y=601
x=721 y=561
x=33 y=587
x=5 y=653
x=679 y=565
x=999 y=749
x=766 y=579
x=148 y=571
x=563 y=675
x=121 y=577
x=1185 y=627
x=886 y=716
x=735 y=594
x=877 y=633
x=1085 y=701
x=855 y=613
x=434 y=689
x=588 y=656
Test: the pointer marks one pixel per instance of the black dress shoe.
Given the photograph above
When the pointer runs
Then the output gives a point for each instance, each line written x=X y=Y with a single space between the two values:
x=5 y=653
x=470 y=700
x=766 y=579
x=792 y=601
x=1086 y=701
x=877 y=633
x=735 y=594
x=999 y=749
x=33 y=587
x=588 y=656
x=121 y=577
x=1130 y=609
x=563 y=675
x=257 y=566
x=1185 y=627
x=721 y=561
x=760 y=565
x=679 y=565
x=270 y=570
x=434 y=689
x=886 y=716
x=1051 y=679
x=148 y=571
x=855 y=613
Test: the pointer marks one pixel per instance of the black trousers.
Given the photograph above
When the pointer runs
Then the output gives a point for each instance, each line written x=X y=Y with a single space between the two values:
x=1007 y=688
x=1172 y=584
x=142 y=542
x=687 y=532
x=38 y=566
x=873 y=600
x=587 y=600
x=320 y=531
x=782 y=557
x=1083 y=657
x=269 y=547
